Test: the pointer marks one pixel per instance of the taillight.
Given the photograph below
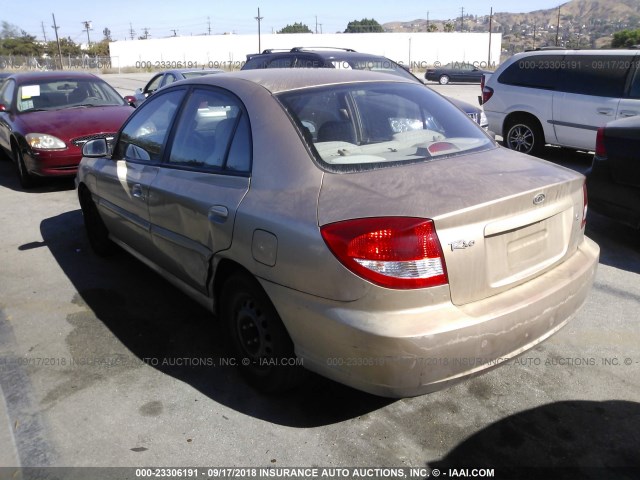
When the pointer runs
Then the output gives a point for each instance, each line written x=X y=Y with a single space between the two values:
x=393 y=252
x=487 y=93
x=585 y=204
x=482 y=80
x=601 y=151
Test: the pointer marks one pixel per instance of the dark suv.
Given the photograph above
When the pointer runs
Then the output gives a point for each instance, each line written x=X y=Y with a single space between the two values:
x=348 y=59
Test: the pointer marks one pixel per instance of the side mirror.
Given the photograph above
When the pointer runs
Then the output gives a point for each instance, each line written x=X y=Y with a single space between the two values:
x=95 y=148
x=131 y=100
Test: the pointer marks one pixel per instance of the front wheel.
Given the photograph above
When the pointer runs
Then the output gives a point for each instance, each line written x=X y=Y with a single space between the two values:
x=444 y=79
x=260 y=343
x=26 y=179
x=524 y=136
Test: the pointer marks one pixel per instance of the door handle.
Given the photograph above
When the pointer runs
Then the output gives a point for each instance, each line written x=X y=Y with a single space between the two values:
x=218 y=214
x=136 y=191
x=628 y=113
x=605 y=111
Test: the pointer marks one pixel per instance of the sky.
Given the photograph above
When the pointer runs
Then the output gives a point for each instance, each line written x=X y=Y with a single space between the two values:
x=195 y=17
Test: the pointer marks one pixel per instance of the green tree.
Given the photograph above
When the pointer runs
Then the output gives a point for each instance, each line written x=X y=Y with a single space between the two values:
x=364 y=26
x=67 y=47
x=432 y=27
x=9 y=30
x=100 y=49
x=295 y=28
x=625 y=39
x=24 y=45
x=448 y=27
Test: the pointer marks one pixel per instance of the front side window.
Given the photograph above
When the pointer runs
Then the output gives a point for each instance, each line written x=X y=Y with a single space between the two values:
x=374 y=125
x=168 y=79
x=154 y=84
x=144 y=136
x=212 y=133
x=598 y=75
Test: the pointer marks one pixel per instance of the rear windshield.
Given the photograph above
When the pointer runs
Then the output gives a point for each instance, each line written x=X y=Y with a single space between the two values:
x=375 y=64
x=374 y=125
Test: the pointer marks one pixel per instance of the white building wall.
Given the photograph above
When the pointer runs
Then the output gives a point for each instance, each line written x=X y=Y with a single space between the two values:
x=229 y=51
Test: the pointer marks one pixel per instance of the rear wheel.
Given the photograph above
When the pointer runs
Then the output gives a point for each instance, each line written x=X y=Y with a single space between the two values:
x=259 y=341
x=524 y=135
x=444 y=79
x=97 y=231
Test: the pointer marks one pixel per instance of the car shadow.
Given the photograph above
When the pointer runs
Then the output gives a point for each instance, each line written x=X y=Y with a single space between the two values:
x=9 y=179
x=619 y=243
x=569 y=439
x=157 y=326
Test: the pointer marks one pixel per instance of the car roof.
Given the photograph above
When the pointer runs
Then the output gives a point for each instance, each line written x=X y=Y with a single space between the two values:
x=277 y=80
x=327 y=53
x=52 y=76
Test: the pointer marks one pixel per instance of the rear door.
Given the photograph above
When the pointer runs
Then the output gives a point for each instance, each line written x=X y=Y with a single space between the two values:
x=194 y=198
x=588 y=95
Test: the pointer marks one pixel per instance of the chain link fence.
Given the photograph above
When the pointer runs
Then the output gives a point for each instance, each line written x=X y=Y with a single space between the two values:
x=16 y=63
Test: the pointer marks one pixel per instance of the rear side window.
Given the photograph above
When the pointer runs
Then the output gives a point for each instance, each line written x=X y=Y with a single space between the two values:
x=598 y=75
x=281 y=62
x=212 y=122
x=535 y=71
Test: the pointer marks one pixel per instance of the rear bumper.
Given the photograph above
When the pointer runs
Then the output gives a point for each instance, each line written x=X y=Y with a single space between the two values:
x=495 y=120
x=399 y=353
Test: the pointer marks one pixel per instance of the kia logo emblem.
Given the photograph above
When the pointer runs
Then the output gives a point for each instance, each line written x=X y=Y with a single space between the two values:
x=538 y=199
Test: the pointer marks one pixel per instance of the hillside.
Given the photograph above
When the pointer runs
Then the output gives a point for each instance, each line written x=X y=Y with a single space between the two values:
x=583 y=24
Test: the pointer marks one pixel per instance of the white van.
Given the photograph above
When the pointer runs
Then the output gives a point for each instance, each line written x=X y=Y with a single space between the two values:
x=561 y=97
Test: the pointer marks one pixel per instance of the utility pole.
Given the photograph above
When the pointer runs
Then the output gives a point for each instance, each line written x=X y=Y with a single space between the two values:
x=316 y=24
x=427 y=21
x=462 y=20
x=132 y=32
x=320 y=29
x=145 y=33
x=87 y=26
x=534 y=36
x=44 y=33
x=55 y=27
x=558 y=26
x=490 y=25
x=259 y=19
x=175 y=32
x=209 y=23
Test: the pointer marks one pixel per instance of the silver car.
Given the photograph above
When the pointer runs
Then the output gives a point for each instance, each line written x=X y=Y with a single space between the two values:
x=354 y=223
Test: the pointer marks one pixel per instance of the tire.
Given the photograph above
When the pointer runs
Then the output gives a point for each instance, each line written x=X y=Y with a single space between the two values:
x=26 y=179
x=259 y=341
x=444 y=79
x=524 y=135
x=97 y=231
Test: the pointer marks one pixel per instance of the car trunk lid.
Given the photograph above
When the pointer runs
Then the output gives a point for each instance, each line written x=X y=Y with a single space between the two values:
x=502 y=218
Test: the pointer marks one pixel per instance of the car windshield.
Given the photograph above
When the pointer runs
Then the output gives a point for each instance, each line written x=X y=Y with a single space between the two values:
x=60 y=94
x=372 y=125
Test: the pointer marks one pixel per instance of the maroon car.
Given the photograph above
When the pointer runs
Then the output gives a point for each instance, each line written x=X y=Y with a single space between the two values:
x=45 y=119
